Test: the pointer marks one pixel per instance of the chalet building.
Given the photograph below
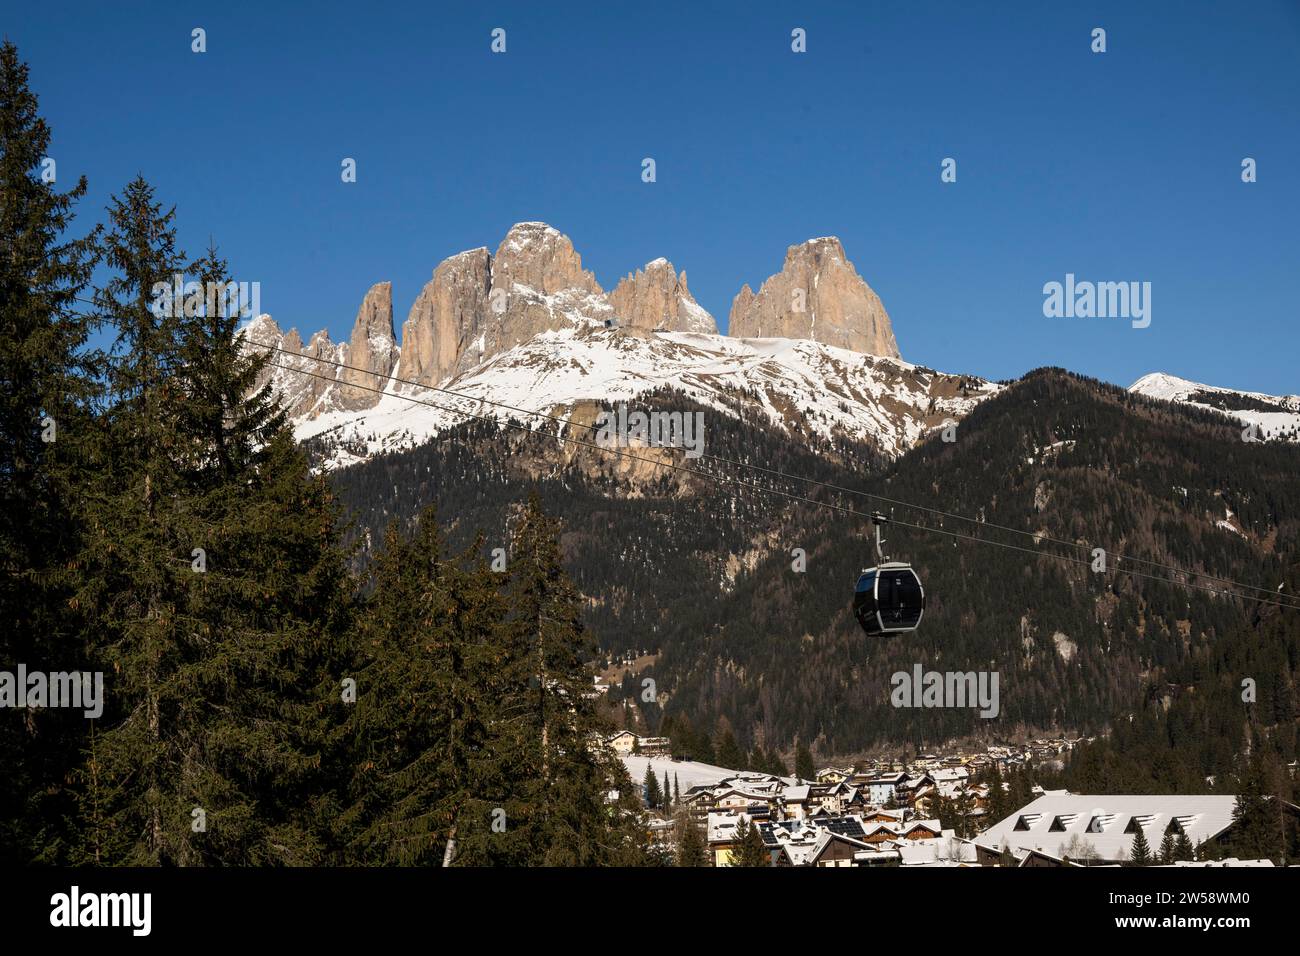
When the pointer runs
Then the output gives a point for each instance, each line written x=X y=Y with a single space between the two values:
x=721 y=836
x=623 y=742
x=833 y=798
x=1105 y=825
x=921 y=830
x=833 y=775
x=893 y=831
x=892 y=817
x=795 y=801
x=821 y=848
x=626 y=742
x=950 y=781
x=882 y=789
x=879 y=833
x=1039 y=858
x=986 y=855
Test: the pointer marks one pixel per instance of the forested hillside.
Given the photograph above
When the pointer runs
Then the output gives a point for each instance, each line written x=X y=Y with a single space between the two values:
x=749 y=643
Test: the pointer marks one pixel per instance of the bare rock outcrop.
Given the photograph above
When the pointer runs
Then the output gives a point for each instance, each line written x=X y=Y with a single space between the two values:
x=447 y=317
x=538 y=285
x=656 y=298
x=478 y=304
x=817 y=295
x=304 y=378
x=372 y=351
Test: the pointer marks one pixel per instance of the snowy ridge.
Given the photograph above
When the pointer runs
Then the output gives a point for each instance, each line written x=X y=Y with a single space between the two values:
x=800 y=386
x=1276 y=416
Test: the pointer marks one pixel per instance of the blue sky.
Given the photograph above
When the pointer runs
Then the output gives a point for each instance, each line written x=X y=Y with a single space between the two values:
x=1117 y=166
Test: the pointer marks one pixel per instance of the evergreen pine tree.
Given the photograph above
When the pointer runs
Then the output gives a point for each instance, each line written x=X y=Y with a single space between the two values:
x=214 y=583
x=964 y=806
x=750 y=850
x=552 y=771
x=1165 y=855
x=729 y=753
x=422 y=715
x=653 y=797
x=775 y=765
x=138 y=554
x=692 y=850
x=999 y=803
x=46 y=387
x=1140 y=853
x=1257 y=832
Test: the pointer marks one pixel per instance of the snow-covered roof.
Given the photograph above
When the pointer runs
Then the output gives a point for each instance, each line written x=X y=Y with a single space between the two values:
x=1230 y=861
x=946 y=848
x=1106 y=822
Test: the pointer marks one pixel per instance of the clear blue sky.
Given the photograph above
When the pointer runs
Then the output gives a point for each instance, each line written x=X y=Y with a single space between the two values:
x=1118 y=166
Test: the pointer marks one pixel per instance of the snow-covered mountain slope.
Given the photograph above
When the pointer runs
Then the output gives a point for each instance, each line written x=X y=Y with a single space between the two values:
x=800 y=386
x=1277 y=417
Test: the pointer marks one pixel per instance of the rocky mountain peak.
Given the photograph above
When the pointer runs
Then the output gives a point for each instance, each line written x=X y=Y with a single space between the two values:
x=262 y=330
x=825 y=249
x=541 y=258
x=656 y=298
x=817 y=295
x=372 y=350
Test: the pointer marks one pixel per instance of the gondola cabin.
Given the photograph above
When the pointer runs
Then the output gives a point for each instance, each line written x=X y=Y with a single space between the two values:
x=889 y=599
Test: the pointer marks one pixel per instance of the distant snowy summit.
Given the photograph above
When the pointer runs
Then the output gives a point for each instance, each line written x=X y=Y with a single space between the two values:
x=813 y=350
x=1276 y=416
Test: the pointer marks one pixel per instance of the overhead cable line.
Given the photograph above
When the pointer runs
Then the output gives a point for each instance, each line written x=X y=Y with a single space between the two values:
x=784 y=494
x=1036 y=536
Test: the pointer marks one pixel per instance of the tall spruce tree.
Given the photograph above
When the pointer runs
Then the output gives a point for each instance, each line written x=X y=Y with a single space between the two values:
x=1140 y=852
x=420 y=726
x=750 y=850
x=137 y=551
x=47 y=386
x=1165 y=855
x=729 y=753
x=551 y=775
x=692 y=850
x=215 y=584
x=1257 y=825
x=653 y=795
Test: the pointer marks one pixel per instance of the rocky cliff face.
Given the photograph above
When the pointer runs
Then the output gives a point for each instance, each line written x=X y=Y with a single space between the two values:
x=447 y=318
x=656 y=298
x=296 y=372
x=310 y=380
x=372 y=351
x=479 y=305
x=538 y=285
x=817 y=295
